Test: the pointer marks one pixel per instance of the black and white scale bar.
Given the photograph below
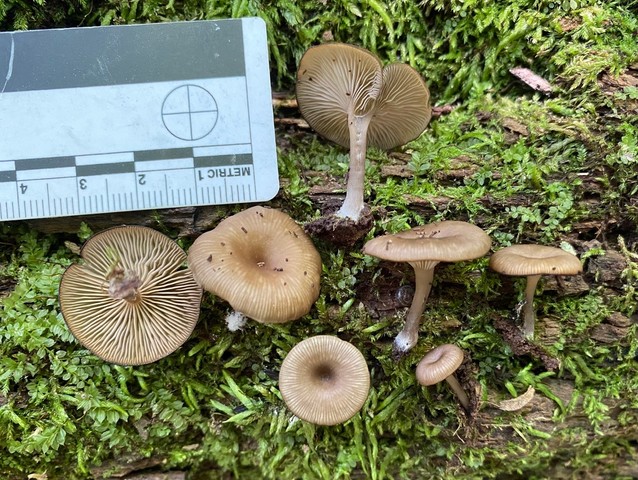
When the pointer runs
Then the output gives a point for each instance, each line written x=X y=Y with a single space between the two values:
x=163 y=115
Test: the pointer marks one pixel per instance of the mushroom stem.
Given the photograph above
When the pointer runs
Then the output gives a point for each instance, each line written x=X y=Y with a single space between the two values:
x=123 y=285
x=353 y=203
x=407 y=338
x=459 y=391
x=528 y=307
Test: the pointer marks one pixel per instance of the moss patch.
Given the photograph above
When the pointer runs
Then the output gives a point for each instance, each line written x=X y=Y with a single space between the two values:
x=523 y=165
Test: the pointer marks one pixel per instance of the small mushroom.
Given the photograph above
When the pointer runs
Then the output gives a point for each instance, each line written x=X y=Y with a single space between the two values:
x=133 y=301
x=440 y=364
x=324 y=380
x=261 y=262
x=423 y=248
x=533 y=261
x=346 y=95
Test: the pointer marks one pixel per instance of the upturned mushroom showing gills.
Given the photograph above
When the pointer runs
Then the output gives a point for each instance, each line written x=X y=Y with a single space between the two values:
x=324 y=380
x=347 y=96
x=533 y=261
x=133 y=300
x=423 y=248
x=440 y=364
x=261 y=262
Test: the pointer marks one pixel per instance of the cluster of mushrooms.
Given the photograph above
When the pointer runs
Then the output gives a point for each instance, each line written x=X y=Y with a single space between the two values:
x=136 y=297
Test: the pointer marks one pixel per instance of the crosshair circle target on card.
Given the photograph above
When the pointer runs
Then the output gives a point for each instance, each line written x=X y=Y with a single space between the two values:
x=189 y=112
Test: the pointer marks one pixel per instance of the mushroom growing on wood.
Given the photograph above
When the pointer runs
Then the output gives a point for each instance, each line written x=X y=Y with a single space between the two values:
x=133 y=301
x=324 y=380
x=346 y=95
x=423 y=248
x=261 y=262
x=532 y=261
x=440 y=364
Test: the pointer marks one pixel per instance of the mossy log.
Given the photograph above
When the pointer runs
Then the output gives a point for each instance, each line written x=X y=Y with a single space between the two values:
x=556 y=166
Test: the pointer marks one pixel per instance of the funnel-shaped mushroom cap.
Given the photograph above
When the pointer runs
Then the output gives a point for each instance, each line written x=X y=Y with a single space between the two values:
x=133 y=301
x=446 y=241
x=402 y=110
x=534 y=260
x=438 y=364
x=261 y=262
x=324 y=380
x=336 y=80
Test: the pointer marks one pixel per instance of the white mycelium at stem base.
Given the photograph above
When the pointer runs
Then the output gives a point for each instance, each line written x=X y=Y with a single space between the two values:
x=407 y=338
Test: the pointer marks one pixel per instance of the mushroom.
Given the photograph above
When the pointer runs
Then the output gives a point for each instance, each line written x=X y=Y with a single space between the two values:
x=261 y=262
x=533 y=261
x=440 y=364
x=346 y=95
x=423 y=248
x=133 y=301
x=324 y=380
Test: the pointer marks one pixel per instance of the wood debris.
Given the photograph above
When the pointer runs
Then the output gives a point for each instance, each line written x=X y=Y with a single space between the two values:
x=517 y=403
x=532 y=79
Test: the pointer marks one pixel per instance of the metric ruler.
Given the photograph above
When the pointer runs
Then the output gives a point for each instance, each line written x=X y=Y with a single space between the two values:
x=120 y=118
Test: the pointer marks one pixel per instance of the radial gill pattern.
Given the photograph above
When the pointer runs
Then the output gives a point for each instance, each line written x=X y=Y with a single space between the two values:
x=324 y=380
x=132 y=301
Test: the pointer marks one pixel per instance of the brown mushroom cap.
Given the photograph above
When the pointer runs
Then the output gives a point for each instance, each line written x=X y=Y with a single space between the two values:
x=402 y=110
x=446 y=241
x=534 y=260
x=439 y=364
x=133 y=301
x=333 y=80
x=324 y=380
x=261 y=262
x=336 y=80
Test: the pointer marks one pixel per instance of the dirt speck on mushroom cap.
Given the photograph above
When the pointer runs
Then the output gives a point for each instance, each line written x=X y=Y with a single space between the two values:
x=445 y=241
x=261 y=262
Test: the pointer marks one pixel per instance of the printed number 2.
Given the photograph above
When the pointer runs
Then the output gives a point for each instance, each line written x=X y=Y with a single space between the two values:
x=140 y=179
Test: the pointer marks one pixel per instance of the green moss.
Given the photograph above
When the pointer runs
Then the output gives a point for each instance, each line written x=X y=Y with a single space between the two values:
x=213 y=407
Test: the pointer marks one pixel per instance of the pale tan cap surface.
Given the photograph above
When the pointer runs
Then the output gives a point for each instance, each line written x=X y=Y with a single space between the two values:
x=446 y=241
x=438 y=364
x=261 y=262
x=535 y=260
x=132 y=301
x=324 y=380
